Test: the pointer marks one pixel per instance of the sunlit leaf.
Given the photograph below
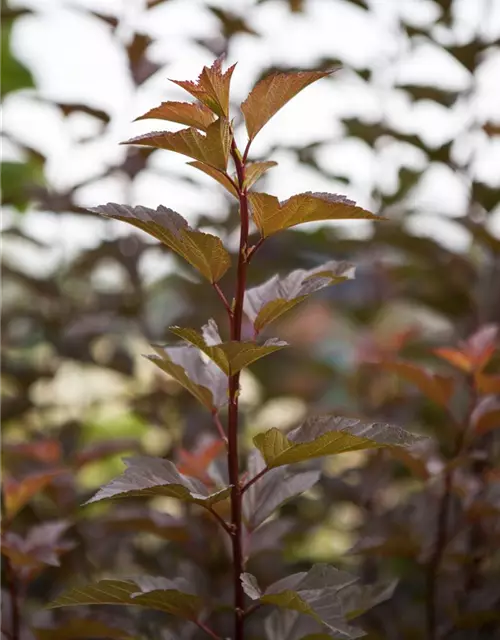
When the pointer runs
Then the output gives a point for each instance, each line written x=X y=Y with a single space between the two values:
x=437 y=387
x=204 y=380
x=328 y=435
x=192 y=115
x=212 y=148
x=255 y=170
x=273 y=489
x=216 y=174
x=270 y=215
x=203 y=251
x=231 y=356
x=135 y=592
x=82 y=629
x=148 y=477
x=454 y=357
x=18 y=493
x=272 y=93
x=212 y=87
x=268 y=301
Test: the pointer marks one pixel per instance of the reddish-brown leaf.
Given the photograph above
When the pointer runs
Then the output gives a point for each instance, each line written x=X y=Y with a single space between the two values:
x=18 y=493
x=438 y=388
x=212 y=148
x=220 y=176
x=486 y=415
x=192 y=115
x=270 y=215
x=40 y=450
x=456 y=358
x=196 y=464
x=211 y=88
x=272 y=93
x=487 y=384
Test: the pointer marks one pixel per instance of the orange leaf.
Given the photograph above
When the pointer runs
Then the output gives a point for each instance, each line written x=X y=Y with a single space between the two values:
x=456 y=358
x=17 y=494
x=270 y=215
x=196 y=464
x=212 y=148
x=481 y=345
x=437 y=387
x=272 y=93
x=486 y=416
x=192 y=115
x=211 y=88
x=487 y=384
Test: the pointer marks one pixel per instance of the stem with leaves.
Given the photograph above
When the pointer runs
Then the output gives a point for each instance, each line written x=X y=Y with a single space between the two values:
x=441 y=540
x=235 y=319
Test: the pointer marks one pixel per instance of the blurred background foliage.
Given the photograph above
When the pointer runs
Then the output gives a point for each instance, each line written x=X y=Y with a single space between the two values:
x=84 y=298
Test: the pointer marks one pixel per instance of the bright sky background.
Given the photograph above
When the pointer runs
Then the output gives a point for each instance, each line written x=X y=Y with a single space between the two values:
x=76 y=58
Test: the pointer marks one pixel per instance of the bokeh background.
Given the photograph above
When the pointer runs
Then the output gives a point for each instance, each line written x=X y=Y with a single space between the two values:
x=409 y=127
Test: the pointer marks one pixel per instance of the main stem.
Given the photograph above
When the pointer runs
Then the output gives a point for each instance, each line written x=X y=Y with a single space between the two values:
x=232 y=456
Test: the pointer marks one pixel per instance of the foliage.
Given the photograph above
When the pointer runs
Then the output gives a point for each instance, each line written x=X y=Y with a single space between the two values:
x=422 y=512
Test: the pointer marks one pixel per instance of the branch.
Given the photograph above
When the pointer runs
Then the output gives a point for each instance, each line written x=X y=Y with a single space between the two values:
x=254 y=479
x=207 y=630
x=224 y=299
x=228 y=528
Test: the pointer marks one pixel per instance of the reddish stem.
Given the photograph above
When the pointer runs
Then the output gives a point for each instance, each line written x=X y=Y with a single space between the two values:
x=219 y=426
x=223 y=298
x=254 y=479
x=207 y=630
x=236 y=319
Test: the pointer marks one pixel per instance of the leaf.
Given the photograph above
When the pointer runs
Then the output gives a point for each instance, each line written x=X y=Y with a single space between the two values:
x=203 y=251
x=41 y=546
x=204 y=380
x=270 y=215
x=15 y=75
x=196 y=464
x=273 y=489
x=211 y=88
x=454 y=357
x=231 y=356
x=268 y=301
x=220 y=176
x=148 y=477
x=192 y=115
x=488 y=384
x=212 y=148
x=486 y=415
x=272 y=93
x=104 y=449
x=269 y=536
x=315 y=593
x=82 y=629
x=164 y=598
x=435 y=386
x=255 y=170
x=328 y=435
x=18 y=493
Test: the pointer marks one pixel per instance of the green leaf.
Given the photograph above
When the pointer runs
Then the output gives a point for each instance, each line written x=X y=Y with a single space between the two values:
x=204 y=380
x=268 y=301
x=82 y=629
x=328 y=435
x=15 y=75
x=211 y=88
x=192 y=115
x=203 y=251
x=212 y=148
x=149 y=477
x=135 y=592
x=20 y=181
x=231 y=356
x=255 y=170
x=270 y=215
x=273 y=489
x=220 y=176
x=272 y=93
